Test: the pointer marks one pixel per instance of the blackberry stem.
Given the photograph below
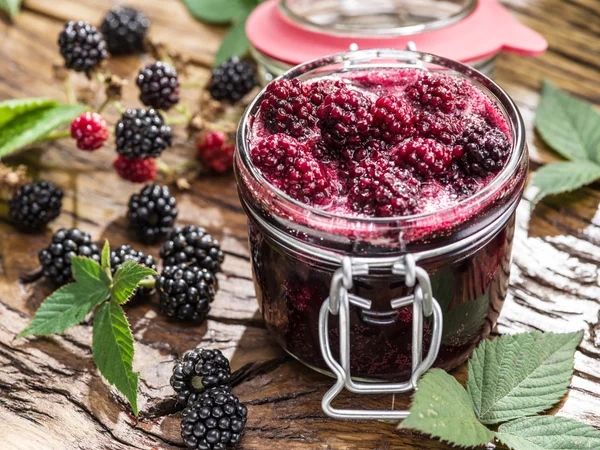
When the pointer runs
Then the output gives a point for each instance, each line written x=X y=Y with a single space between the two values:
x=69 y=91
x=120 y=109
x=184 y=111
x=149 y=282
x=55 y=136
x=103 y=105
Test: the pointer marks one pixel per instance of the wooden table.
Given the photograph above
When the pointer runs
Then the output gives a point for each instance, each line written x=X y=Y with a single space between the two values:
x=51 y=395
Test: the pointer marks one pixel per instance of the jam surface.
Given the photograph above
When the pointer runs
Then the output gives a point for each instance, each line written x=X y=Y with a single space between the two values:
x=379 y=143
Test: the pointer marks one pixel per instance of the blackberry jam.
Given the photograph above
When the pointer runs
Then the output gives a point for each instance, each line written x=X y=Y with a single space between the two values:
x=430 y=177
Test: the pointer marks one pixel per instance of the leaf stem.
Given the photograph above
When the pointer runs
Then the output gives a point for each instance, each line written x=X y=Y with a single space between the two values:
x=148 y=282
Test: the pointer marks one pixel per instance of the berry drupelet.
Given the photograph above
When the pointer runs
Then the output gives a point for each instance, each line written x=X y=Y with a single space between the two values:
x=135 y=170
x=199 y=369
x=142 y=133
x=484 y=150
x=124 y=30
x=66 y=243
x=159 y=85
x=35 y=205
x=215 y=151
x=232 y=80
x=186 y=292
x=192 y=245
x=82 y=46
x=90 y=130
x=345 y=118
x=215 y=421
x=152 y=213
x=287 y=109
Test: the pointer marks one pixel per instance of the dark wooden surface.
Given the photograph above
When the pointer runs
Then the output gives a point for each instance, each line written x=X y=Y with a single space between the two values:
x=51 y=396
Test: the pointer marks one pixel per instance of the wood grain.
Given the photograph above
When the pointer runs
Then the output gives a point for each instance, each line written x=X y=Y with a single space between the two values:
x=52 y=397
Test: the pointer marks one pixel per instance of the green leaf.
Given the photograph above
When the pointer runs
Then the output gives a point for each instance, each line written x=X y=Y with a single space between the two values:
x=214 y=11
x=30 y=127
x=11 y=7
x=563 y=177
x=520 y=375
x=568 y=125
x=89 y=275
x=112 y=348
x=548 y=433
x=9 y=109
x=442 y=409
x=235 y=42
x=106 y=258
x=127 y=279
x=65 y=308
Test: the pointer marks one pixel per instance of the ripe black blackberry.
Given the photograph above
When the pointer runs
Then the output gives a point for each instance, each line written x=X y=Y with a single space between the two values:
x=484 y=150
x=66 y=243
x=192 y=245
x=159 y=85
x=186 y=292
x=152 y=212
x=232 y=80
x=199 y=369
x=126 y=253
x=142 y=134
x=215 y=421
x=82 y=46
x=35 y=205
x=124 y=30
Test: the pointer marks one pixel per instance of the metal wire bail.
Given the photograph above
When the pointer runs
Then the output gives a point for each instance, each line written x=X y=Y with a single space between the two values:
x=338 y=303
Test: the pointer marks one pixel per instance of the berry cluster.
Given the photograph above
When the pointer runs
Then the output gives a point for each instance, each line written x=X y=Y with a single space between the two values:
x=213 y=418
x=232 y=80
x=35 y=205
x=124 y=30
x=330 y=143
x=152 y=213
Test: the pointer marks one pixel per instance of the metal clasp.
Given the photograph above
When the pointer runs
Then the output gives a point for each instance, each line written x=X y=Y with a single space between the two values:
x=338 y=303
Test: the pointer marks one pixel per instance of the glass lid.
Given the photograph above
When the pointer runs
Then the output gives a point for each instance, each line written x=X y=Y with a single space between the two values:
x=382 y=18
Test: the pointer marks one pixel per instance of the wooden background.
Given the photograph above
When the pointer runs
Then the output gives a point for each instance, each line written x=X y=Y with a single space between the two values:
x=51 y=396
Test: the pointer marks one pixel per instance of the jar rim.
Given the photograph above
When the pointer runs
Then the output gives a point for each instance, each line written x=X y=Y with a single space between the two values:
x=361 y=59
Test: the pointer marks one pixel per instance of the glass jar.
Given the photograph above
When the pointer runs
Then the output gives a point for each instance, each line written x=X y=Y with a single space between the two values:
x=370 y=296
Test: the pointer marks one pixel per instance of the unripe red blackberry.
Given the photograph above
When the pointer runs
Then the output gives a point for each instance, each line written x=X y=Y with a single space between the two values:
x=90 y=130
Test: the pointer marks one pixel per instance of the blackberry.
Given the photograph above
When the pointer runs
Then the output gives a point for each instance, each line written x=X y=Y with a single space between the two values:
x=186 y=292
x=442 y=128
x=344 y=118
x=124 y=30
x=215 y=421
x=319 y=90
x=198 y=370
x=232 y=80
x=135 y=170
x=426 y=156
x=66 y=243
x=90 y=131
x=291 y=166
x=438 y=92
x=484 y=150
x=82 y=46
x=192 y=245
x=126 y=253
x=142 y=134
x=159 y=85
x=152 y=212
x=393 y=119
x=376 y=188
x=35 y=205
x=287 y=109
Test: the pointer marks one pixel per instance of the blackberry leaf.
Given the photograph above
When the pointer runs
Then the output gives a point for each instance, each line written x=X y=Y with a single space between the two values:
x=214 y=11
x=442 y=409
x=27 y=128
x=548 y=433
x=89 y=275
x=563 y=177
x=112 y=348
x=235 y=42
x=65 y=308
x=9 y=109
x=11 y=7
x=568 y=125
x=520 y=375
x=106 y=257
x=127 y=279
